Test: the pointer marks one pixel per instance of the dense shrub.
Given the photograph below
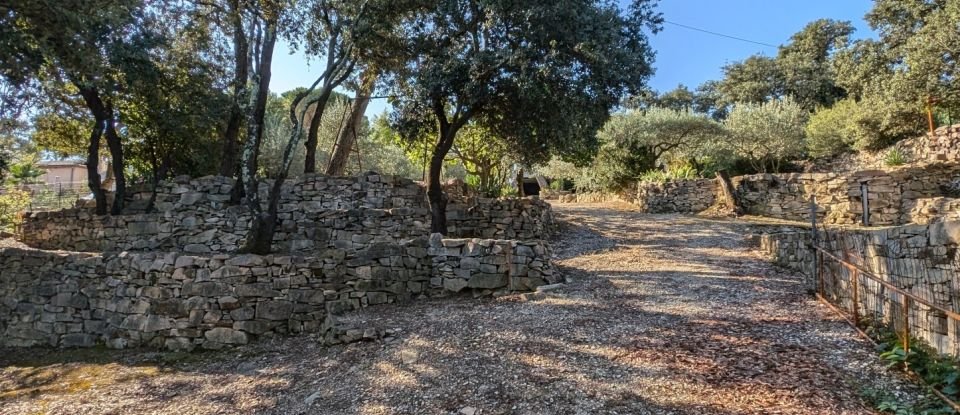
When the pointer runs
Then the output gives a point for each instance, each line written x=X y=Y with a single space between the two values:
x=12 y=202
x=767 y=134
x=869 y=124
x=832 y=131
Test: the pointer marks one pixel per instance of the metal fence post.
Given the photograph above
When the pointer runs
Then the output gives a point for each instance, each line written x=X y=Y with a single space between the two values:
x=855 y=280
x=906 y=323
x=864 y=197
x=815 y=243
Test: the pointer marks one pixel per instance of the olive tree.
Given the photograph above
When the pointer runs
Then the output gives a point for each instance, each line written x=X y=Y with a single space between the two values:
x=767 y=134
x=541 y=75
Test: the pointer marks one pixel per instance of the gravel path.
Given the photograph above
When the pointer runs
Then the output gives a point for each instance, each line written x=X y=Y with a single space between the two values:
x=664 y=314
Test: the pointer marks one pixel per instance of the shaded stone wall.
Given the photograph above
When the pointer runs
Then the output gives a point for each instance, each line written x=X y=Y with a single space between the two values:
x=515 y=218
x=315 y=213
x=922 y=259
x=677 y=196
x=182 y=301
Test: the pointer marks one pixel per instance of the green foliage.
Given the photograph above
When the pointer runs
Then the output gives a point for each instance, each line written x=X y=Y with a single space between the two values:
x=654 y=176
x=25 y=172
x=477 y=67
x=801 y=70
x=895 y=157
x=382 y=150
x=635 y=142
x=12 y=202
x=62 y=130
x=680 y=98
x=754 y=80
x=939 y=371
x=679 y=172
x=486 y=158
x=682 y=172
x=805 y=63
x=921 y=52
x=833 y=130
x=767 y=134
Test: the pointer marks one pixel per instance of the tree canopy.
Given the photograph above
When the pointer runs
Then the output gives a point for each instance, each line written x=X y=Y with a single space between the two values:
x=496 y=63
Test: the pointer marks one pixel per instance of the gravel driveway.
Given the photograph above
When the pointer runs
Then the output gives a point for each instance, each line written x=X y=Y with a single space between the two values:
x=664 y=314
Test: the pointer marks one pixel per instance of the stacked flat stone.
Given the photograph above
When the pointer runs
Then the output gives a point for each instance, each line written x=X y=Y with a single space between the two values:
x=527 y=218
x=182 y=301
x=315 y=213
x=922 y=259
x=892 y=195
x=490 y=265
x=676 y=196
x=936 y=209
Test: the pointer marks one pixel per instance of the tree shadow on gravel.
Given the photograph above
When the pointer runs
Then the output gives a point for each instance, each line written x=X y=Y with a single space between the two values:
x=604 y=344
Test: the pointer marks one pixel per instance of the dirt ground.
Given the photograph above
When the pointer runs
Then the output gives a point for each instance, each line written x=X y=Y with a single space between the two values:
x=663 y=314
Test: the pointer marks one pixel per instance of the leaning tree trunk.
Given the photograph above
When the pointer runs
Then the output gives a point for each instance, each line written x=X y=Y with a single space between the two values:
x=729 y=195
x=92 y=98
x=310 y=161
x=262 y=227
x=116 y=155
x=348 y=136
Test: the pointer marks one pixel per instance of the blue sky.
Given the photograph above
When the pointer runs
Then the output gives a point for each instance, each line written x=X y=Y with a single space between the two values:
x=683 y=55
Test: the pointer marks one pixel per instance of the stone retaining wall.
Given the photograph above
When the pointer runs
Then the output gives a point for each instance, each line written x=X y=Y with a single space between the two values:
x=943 y=146
x=922 y=259
x=182 y=301
x=516 y=218
x=930 y=210
x=677 y=196
x=895 y=197
x=892 y=195
x=315 y=213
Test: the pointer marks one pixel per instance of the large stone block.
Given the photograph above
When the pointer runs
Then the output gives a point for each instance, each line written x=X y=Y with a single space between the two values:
x=223 y=335
x=274 y=310
x=488 y=281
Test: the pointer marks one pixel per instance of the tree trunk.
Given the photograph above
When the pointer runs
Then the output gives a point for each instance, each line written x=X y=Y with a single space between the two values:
x=260 y=237
x=728 y=192
x=92 y=98
x=349 y=135
x=241 y=71
x=310 y=163
x=116 y=155
x=435 y=194
x=520 y=191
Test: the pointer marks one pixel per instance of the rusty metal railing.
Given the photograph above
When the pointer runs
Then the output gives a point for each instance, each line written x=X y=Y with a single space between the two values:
x=856 y=272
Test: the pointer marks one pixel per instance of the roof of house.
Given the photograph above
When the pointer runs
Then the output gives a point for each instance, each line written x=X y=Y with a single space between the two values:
x=61 y=163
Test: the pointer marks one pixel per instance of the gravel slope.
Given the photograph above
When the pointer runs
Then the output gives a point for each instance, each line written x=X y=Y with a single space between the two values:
x=665 y=314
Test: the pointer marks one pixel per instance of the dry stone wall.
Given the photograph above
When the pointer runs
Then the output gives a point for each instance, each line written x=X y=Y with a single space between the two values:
x=677 y=196
x=922 y=259
x=891 y=195
x=525 y=218
x=315 y=213
x=943 y=146
x=182 y=301
x=930 y=210
x=904 y=195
